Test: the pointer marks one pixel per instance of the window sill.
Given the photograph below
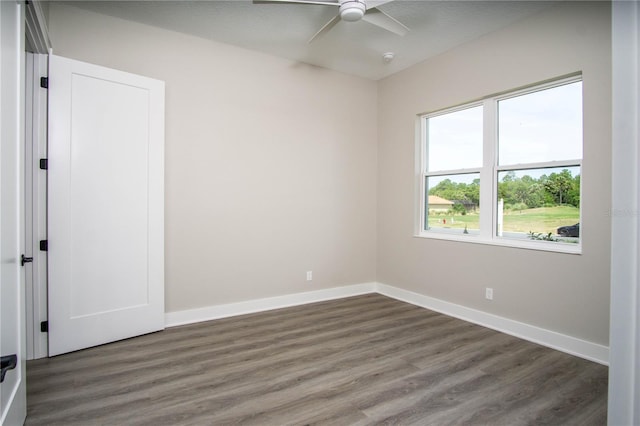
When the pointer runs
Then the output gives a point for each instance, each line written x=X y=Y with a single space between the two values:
x=556 y=247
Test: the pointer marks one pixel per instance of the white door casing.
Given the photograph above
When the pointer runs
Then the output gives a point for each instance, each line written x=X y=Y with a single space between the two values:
x=12 y=316
x=35 y=203
x=624 y=333
x=105 y=205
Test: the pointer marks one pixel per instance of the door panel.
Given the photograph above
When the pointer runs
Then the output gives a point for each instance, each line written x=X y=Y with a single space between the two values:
x=109 y=186
x=105 y=205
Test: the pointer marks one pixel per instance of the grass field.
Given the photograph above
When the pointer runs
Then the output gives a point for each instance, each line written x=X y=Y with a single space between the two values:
x=543 y=219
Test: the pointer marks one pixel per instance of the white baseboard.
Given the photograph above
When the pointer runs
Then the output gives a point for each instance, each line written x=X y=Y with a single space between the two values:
x=571 y=345
x=172 y=319
x=562 y=342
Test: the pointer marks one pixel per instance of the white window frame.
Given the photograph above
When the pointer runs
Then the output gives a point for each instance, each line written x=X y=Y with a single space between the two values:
x=489 y=176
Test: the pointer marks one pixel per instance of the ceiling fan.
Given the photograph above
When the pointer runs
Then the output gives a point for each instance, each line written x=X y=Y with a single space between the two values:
x=351 y=11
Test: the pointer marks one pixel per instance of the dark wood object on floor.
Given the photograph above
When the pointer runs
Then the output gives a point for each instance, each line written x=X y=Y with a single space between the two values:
x=360 y=360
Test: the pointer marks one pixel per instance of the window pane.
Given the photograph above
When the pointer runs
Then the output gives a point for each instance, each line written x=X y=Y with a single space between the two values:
x=454 y=140
x=539 y=204
x=452 y=202
x=541 y=126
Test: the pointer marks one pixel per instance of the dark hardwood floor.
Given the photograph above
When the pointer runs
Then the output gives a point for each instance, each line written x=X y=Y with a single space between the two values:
x=360 y=360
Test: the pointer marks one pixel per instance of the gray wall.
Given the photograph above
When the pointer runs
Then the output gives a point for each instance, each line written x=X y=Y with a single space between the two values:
x=560 y=292
x=266 y=177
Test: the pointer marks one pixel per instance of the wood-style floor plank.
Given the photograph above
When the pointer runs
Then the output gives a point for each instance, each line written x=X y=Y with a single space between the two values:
x=361 y=360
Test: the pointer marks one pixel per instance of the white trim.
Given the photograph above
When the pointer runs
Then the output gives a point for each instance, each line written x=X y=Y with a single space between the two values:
x=624 y=335
x=489 y=175
x=562 y=342
x=13 y=408
x=571 y=345
x=208 y=313
x=538 y=87
x=453 y=109
x=37 y=41
x=36 y=30
x=544 y=165
x=36 y=201
x=419 y=191
x=526 y=244
x=457 y=172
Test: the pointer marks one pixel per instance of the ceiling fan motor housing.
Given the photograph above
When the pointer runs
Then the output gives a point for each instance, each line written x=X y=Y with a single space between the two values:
x=352 y=10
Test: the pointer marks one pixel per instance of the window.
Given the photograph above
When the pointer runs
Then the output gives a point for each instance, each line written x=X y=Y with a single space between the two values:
x=505 y=170
x=453 y=163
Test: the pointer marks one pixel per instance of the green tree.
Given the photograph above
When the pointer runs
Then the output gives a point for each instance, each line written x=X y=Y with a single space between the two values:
x=559 y=185
x=472 y=192
x=573 y=195
x=450 y=190
x=459 y=209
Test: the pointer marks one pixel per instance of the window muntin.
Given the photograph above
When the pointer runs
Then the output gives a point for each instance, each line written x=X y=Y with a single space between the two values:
x=527 y=137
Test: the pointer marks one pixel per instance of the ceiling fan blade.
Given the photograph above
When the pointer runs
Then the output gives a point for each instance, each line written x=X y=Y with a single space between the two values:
x=375 y=3
x=325 y=28
x=381 y=19
x=319 y=2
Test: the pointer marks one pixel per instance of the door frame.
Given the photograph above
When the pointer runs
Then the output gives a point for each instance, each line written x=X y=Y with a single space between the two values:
x=38 y=44
x=36 y=204
x=624 y=340
x=12 y=18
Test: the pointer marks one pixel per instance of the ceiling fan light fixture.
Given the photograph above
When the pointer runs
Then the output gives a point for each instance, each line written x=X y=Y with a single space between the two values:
x=352 y=10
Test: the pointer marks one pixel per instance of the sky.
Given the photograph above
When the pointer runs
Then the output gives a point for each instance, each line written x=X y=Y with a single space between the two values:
x=536 y=127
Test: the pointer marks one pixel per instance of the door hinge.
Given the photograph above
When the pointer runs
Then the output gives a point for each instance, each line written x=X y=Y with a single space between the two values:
x=44 y=82
x=44 y=326
x=44 y=164
x=44 y=245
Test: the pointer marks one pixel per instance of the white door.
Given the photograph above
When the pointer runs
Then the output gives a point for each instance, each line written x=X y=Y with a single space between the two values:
x=12 y=330
x=105 y=205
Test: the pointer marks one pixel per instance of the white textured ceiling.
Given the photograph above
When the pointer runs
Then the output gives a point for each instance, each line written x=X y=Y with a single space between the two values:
x=351 y=47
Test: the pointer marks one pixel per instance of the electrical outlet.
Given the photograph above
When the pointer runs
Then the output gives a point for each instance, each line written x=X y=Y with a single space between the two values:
x=309 y=275
x=488 y=293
